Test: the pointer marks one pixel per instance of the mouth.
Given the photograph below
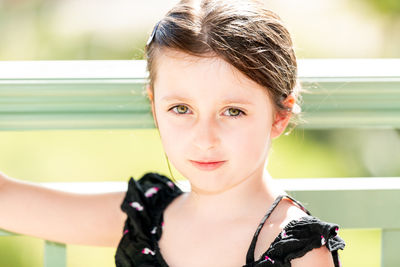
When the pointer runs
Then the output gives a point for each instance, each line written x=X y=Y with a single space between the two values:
x=207 y=165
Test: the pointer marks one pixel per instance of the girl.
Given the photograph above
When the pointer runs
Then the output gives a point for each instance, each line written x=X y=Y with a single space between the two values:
x=222 y=86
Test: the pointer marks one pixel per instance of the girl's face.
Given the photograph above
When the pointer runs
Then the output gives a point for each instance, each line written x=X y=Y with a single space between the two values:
x=215 y=123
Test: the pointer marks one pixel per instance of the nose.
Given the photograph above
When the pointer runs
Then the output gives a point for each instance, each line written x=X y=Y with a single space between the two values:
x=206 y=134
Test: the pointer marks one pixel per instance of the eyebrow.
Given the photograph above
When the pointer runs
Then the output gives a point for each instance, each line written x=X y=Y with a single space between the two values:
x=237 y=101
x=225 y=101
x=174 y=97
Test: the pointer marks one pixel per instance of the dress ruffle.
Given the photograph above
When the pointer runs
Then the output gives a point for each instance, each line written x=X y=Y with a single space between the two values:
x=299 y=237
x=144 y=203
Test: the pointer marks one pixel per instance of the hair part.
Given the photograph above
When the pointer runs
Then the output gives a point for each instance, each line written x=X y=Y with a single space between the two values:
x=243 y=32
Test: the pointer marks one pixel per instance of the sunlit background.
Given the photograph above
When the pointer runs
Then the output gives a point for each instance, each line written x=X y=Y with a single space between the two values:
x=99 y=29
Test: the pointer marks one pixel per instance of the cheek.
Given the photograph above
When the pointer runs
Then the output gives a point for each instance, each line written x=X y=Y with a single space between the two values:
x=250 y=142
x=253 y=141
x=173 y=138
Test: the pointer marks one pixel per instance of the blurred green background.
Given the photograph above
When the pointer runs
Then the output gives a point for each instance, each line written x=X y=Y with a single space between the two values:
x=90 y=30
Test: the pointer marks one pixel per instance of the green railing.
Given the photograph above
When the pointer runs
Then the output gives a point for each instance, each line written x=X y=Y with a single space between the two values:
x=343 y=93
x=109 y=94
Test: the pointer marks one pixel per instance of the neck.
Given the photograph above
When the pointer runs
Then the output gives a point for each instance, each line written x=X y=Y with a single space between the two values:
x=200 y=191
x=256 y=191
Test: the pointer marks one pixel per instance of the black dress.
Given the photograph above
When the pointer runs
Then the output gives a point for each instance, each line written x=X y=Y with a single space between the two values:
x=147 y=198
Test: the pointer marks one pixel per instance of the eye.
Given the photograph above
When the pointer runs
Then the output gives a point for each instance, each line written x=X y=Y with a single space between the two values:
x=180 y=109
x=233 y=112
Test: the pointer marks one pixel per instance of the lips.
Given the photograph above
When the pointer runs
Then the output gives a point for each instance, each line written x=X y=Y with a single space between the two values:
x=207 y=165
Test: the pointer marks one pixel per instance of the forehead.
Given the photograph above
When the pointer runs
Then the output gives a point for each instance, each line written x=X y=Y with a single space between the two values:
x=179 y=71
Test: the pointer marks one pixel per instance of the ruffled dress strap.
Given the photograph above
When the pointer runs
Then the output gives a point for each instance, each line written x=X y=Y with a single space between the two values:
x=296 y=239
x=144 y=203
x=301 y=236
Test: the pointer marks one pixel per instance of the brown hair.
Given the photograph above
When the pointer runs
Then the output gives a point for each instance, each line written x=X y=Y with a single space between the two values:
x=242 y=32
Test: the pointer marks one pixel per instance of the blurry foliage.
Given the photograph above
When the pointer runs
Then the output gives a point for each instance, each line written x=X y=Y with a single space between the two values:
x=389 y=17
x=28 y=31
x=386 y=7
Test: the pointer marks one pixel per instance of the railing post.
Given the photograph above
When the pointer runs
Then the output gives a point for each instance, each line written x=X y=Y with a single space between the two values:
x=54 y=254
x=390 y=256
x=5 y=233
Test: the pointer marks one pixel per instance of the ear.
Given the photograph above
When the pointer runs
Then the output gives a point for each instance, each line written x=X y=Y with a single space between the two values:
x=281 y=119
x=149 y=92
x=151 y=98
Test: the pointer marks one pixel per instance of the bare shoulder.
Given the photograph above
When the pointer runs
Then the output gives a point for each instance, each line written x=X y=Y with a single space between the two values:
x=315 y=258
x=289 y=211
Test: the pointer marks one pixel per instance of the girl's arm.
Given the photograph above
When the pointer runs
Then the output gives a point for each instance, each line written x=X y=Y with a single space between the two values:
x=84 y=219
x=317 y=257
